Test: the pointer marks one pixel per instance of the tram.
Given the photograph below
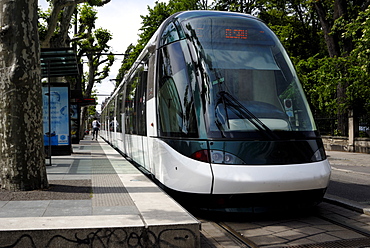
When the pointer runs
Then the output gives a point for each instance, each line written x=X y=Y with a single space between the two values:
x=213 y=109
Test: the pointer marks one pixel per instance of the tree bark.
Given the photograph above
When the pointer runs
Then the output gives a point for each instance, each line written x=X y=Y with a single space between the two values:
x=58 y=6
x=332 y=43
x=330 y=40
x=22 y=159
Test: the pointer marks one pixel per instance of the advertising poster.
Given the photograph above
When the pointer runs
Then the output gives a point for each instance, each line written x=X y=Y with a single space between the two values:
x=59 y=116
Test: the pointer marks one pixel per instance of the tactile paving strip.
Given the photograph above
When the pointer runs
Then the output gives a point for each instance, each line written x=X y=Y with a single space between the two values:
x=108 y=189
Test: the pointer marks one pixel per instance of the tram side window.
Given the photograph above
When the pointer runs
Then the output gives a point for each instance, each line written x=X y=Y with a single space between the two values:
x=169 y=108
x=102 y=120
x=175 y=102
x=111 y=115
x=118 y=121
x=129 y=108
x=135 y=104
x=291 y=95
x=171 y=34
x=140 y=103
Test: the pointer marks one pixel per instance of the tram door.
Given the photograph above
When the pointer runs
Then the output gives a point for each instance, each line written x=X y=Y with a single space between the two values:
x=119 y=121
x=141 y=119
x=135 y=119
x=123 y=148
x=150 y=113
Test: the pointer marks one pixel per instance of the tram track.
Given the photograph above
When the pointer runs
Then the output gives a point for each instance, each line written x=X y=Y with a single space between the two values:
x=329 y=226
x=236 y=235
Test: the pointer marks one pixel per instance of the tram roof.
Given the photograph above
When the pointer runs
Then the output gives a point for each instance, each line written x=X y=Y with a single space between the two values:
x=206 y=13
x=180 y=16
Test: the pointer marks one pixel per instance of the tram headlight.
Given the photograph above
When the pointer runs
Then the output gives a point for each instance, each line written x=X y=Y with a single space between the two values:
x=221 y=157
x=216 y=157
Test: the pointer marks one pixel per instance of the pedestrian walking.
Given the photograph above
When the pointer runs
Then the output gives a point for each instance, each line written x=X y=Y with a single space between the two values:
x=96 y=126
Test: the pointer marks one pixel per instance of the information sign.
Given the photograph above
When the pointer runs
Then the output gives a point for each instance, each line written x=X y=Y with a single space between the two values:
x=59 y=133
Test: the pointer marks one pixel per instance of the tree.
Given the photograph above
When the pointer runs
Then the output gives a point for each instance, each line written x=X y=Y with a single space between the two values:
x=58 y=21
x=326 y=40
x=316 y=36
x=87 y=40
x=22 y=159
x=295 y=24
x=151 y=22
x=242 y=6
x=359 y=32
x=92 y=43
x=333 y=16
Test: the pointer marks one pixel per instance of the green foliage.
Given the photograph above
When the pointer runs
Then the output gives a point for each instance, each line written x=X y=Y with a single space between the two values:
x=88 y=16
x=43 y=22
x=242 y=6
x=92 y=42
x=102 y=36
x=297 y=25
x=91 y=110
x=93 y=45
x=359 y=72
x=321 y=76
x=128 y=60
x=150 y=23
x=54 y=26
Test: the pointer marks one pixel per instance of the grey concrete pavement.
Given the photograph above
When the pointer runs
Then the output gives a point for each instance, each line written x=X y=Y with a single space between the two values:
x=97 y=198
x=350 y=183
x=349 y=158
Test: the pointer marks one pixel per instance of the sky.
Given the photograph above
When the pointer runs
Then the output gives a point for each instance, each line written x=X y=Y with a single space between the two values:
x=122 y=19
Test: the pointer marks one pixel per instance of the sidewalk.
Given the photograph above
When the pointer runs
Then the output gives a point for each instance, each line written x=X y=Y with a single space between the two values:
x=344 y=161
x=348 y=158
x=98 y=199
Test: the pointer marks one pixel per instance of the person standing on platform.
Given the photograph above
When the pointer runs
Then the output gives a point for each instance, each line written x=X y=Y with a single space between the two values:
x=95 y=126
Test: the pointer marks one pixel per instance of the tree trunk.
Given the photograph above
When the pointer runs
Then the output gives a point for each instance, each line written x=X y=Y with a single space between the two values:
x=22 y=159
x=87 y=93
x=330 y=40
x=332 y=43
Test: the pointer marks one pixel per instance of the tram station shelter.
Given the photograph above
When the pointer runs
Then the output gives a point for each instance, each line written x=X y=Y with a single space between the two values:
x=62 y=100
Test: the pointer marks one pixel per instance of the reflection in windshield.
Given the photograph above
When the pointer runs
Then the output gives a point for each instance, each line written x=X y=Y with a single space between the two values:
x=248 y=82
x=241 y=112
x=175 y=103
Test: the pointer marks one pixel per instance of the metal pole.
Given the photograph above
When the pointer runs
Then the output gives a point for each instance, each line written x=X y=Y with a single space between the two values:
x=49 y=112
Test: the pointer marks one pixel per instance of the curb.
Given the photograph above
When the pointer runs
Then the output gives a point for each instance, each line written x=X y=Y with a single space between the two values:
x=348 y=204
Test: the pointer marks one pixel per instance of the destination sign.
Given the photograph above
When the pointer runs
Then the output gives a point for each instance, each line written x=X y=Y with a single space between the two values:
x=236 y=34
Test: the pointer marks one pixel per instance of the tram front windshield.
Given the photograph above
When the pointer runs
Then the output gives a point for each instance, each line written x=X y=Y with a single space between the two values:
x=249 y=83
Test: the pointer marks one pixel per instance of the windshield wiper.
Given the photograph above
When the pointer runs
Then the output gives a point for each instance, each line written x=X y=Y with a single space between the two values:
x=242 y=112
